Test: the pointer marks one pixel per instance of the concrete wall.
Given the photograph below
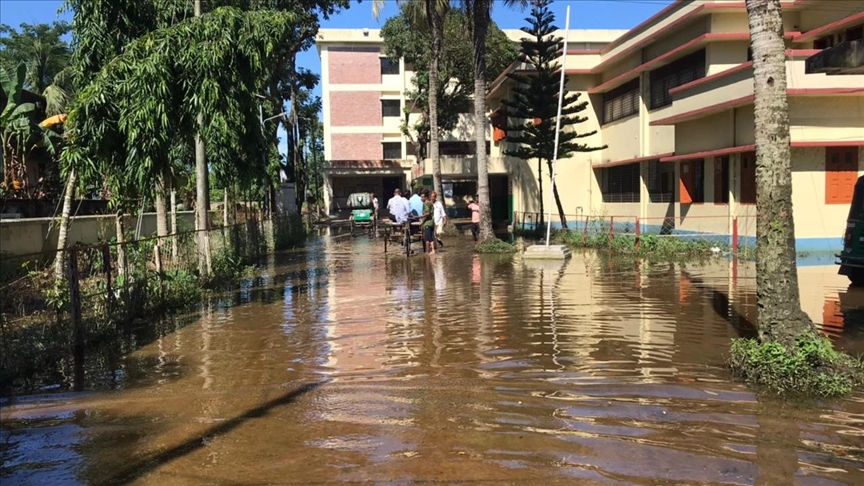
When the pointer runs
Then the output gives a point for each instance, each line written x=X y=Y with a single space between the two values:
x=32 y=235
x=622 y=138
x=826 y=118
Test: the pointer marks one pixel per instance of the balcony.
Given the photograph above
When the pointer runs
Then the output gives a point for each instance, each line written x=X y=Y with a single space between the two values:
x=733 y=88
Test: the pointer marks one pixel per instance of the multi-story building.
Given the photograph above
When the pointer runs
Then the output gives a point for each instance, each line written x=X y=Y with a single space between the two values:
x=364 y=98
x=672 y=102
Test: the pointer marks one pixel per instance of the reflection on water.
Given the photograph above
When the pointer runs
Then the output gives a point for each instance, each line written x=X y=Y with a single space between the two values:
x=343 y=364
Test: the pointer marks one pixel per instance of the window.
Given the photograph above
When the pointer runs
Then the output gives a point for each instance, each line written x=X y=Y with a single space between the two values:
x=621 y=102
x=721 y=180
x=499 y=124
x=661 y=182
x=692 y=183
x=392 y=150
x=621 y=184
x=855 y=33
x=389 y=66
x=748 y=178
x=390 y=108
x=749 y=54
x=457 y=149
x=680 y=72
x=841 y=174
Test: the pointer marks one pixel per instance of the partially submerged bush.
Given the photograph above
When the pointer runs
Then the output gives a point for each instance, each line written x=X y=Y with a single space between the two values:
x=811 y=368
x=494 y=245
x=650 y=245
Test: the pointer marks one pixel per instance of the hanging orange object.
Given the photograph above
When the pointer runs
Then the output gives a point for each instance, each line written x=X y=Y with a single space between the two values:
x=53 y=120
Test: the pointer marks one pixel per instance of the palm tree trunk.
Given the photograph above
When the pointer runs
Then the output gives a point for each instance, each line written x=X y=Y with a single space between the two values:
x=437 y=23
x=780 y=316
x=480 y=16
x=161 y=214
x=63 y=231
x=202 y=197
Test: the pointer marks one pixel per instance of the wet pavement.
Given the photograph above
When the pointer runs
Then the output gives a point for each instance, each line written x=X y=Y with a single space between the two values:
x=346 y=365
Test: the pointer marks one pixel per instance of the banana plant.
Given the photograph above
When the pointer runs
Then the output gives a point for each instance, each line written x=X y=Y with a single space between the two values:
x=19 y=131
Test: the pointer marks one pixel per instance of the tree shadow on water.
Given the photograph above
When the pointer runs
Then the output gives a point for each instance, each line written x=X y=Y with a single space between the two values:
x=725 y=308
x=150 y=464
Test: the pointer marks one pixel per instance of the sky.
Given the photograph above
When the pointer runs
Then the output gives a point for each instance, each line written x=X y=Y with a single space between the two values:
x=584 y=14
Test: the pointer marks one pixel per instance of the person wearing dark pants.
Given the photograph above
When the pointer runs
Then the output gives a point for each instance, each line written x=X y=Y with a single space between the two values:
x=428 y=225
x=475 y=217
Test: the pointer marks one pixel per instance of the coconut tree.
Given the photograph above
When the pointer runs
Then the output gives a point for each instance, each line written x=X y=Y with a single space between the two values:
x=780 y=316
x=480 y=12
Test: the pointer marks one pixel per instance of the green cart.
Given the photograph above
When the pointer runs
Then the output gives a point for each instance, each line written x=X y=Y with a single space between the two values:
x=362 y=212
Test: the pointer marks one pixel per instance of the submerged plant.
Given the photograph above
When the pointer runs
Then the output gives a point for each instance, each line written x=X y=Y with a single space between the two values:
x=494 y=245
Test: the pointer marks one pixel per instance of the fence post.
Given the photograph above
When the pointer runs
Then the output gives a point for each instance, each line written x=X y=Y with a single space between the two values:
x=106 y=268
x=585 y=232
x=735 y=235
x=77 y=322
x=638 y=233
x=611 y=230
x=121 y=248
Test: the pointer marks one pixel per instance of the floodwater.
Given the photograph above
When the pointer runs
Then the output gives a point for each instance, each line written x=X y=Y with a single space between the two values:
x=346 y=365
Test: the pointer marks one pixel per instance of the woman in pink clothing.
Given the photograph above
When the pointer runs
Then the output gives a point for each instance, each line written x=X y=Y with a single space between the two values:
x=475 y=217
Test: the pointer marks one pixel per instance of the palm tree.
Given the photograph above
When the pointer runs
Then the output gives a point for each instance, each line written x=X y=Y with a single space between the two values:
x=480 y=13
x=780 y=316
x=431 y=14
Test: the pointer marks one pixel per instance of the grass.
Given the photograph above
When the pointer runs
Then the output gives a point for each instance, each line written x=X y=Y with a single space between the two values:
x=650 y=245
x=812 y=368
x=494 y=245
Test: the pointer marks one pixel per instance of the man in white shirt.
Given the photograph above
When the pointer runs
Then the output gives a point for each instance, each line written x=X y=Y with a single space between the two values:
x=398 y=207
x=440 y=218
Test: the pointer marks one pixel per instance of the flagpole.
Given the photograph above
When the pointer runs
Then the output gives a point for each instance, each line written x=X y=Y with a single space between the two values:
x=558 y=125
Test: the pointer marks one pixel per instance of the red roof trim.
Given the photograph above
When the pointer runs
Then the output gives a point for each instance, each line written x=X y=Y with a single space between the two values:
x=710 y=153
x=810 y=34
x=623 y=38
x=617 y=163
x=823 y=91
x=801 y=53
x=837 y=143
x=621 y=78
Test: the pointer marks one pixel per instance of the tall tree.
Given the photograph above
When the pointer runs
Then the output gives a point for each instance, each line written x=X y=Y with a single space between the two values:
x=535 y=100
x=480 y=13
x=40 y=47
x=455 y=87
x=780 y=316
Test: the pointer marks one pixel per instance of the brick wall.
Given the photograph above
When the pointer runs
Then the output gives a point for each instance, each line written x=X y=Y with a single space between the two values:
x=355 y=108
x=356 y=146
x=357 y=66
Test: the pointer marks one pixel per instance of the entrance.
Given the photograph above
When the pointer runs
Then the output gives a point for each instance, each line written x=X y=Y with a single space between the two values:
x=499 y=195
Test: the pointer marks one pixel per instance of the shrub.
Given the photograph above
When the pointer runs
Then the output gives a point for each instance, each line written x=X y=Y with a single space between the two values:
x=811 y=368
x=494 y=245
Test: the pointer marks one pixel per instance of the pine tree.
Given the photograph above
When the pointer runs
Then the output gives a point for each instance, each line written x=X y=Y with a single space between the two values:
x=535 y=101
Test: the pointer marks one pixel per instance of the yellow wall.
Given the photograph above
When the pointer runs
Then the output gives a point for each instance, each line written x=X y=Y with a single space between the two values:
x=814 y=218
x=827 y=117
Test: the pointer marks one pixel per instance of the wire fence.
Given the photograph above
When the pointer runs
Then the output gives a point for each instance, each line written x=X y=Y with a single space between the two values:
x=45 y=319
x=686 y=234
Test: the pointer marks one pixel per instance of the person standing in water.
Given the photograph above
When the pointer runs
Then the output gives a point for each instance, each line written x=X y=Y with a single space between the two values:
x=475 y=217
x=440 y=218
x=428 y=225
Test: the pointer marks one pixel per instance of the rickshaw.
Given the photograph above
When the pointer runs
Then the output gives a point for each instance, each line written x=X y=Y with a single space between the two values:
x=362 y=211
x=851 y=259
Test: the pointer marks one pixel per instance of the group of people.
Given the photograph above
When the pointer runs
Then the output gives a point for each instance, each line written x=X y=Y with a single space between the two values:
x=429 y=210
x=424 y=207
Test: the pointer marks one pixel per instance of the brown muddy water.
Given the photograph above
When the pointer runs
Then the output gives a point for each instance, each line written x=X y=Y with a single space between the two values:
x=350 y=366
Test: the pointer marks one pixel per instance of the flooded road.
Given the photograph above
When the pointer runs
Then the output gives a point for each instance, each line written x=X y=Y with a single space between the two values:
x=351 y=366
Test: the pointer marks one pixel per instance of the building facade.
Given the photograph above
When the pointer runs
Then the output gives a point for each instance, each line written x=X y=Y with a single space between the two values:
x=672 y=103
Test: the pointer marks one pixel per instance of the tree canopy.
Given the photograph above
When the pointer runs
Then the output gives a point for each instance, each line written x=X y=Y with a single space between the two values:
x=406 y=39
x=143 y=102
